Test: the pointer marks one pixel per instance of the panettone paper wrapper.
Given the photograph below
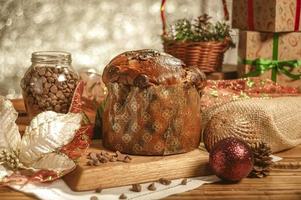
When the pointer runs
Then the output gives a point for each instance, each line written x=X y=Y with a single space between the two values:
x=159 y=120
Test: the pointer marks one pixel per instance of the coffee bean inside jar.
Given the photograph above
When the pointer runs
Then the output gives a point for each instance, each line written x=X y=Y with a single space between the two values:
x=49 y=83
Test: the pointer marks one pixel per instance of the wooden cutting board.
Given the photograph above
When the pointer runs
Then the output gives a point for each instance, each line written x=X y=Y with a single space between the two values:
x=141 y=169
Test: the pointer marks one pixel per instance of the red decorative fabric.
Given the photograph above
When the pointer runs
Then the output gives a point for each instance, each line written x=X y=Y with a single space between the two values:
x=224 y=91
x=250 y=14
x=297 y=16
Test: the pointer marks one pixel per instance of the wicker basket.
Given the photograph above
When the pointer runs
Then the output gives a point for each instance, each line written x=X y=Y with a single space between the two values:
x=208 y=56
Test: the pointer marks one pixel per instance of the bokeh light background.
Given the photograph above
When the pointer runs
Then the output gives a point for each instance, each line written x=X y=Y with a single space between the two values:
x=94 y=31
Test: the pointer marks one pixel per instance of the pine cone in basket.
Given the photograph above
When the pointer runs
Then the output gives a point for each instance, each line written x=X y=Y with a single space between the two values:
x=262 y=160
x=153 y=104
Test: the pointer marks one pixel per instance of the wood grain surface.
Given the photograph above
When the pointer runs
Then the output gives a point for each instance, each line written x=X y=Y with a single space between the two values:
x=140 y=170
x=283 y=183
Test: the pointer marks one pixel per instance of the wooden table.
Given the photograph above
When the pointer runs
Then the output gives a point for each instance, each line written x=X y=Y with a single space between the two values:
x=283 y=183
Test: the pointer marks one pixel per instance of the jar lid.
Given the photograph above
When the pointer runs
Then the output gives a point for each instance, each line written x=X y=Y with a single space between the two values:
x=51 y=57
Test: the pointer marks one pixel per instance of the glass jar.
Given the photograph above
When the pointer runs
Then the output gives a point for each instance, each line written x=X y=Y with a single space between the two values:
x=49 y=83
x=95 y=90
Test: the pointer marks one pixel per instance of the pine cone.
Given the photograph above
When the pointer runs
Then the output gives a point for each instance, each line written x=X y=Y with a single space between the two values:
x=262 y=160
x=202 y=28
x=203 y=19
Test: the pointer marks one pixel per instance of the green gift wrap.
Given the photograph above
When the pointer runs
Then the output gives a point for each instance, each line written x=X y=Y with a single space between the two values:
x=271 y=55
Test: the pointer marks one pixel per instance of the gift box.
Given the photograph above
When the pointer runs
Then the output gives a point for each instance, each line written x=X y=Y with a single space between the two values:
x=271 y=55
x=267 y=15
x=221 y=75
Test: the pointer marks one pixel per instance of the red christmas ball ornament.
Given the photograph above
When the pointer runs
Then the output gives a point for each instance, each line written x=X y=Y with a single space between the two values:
x=231 y=159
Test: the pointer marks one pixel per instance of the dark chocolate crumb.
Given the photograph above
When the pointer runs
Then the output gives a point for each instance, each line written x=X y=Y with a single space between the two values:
x=94 y=198
x=136 y=188
x=184 y=181
x=98 y=190
x=152 y=187
x=90 y=163
x=123 y=196
x=164 y=181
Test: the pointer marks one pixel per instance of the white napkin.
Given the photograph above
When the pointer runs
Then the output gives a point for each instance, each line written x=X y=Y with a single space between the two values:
x=58 y=190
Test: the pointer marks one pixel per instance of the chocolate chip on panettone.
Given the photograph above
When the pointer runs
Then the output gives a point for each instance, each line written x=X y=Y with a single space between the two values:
x=141 y=81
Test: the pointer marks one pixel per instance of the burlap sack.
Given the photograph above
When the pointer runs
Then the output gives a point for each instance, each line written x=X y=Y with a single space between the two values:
x=275 y=121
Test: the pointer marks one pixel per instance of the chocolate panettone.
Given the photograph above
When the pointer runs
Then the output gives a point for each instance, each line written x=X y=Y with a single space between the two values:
x=153 y=104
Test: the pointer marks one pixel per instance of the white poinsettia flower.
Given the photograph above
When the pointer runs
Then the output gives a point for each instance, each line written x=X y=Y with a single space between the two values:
x=10 y=137
x=39 y=147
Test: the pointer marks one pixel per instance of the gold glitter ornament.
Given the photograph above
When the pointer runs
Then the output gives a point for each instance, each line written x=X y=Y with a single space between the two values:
x=223 y=125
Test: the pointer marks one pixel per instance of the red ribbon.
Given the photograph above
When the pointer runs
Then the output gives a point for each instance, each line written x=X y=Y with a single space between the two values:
x=163 y=18
x=251 y=15
x=226 y=12
x=297 y=16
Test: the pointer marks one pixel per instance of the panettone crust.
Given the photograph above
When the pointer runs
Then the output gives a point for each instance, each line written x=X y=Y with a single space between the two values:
x=143 y=68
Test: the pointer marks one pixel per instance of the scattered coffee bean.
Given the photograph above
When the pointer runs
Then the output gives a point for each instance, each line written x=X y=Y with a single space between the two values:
x=184 y=181
x=123 y=196
x=164 y=181
x=98 y=190
x=152 y=187
x=136 y=188
x=94 y=198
